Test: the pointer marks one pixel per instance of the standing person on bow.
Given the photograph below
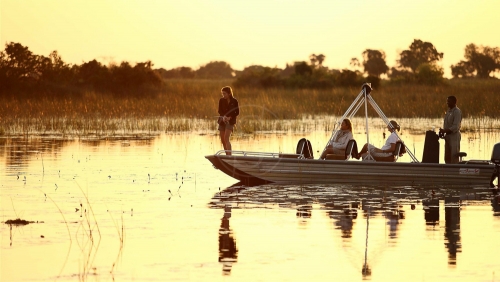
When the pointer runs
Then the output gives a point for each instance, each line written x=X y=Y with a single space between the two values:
x=228 y=111
x=339 y=144
x=451 y=131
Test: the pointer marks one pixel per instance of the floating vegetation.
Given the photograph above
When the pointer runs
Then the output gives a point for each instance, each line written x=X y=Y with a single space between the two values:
x=19 y=221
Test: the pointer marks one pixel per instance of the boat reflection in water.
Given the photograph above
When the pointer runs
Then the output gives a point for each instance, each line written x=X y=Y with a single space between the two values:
x=348 y=206
x=452 y=228
x=495 y=204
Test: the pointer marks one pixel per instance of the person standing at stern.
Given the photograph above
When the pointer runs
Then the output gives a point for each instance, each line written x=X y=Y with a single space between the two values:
x=451 y=131
x=228 y=111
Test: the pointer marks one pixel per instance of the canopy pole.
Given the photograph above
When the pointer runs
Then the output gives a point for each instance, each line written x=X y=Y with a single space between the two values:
x=386 y=120
x=369 y=157
x=351 y=111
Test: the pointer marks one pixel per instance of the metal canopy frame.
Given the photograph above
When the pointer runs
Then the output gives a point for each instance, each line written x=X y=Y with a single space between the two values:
x=364 y=98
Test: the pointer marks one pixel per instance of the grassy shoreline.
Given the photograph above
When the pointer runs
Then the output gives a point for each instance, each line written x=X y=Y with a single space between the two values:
x=185 y=105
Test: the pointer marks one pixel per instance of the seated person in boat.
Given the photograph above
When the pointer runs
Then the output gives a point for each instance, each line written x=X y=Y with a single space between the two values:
x=339 y=143
x=389 y=147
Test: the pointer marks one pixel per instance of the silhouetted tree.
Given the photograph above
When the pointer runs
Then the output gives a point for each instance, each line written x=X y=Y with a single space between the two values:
x=401 y=76
x=127 y=79
x=429 y=74
x=186 y=72
x=462 y=69
x=215 y=70
x=180 y=72
x=259 y=76
x=54 y=71
x=355 y=63
x=317 y=60
x=321 y=58
x=312 y=58
x=481 y=61
x=374 y=62
x=349 y=78
x=93 y=74
x=288 y=71
x=302 y=69
x=23 y=72
x=420 y=53
x=18 y=62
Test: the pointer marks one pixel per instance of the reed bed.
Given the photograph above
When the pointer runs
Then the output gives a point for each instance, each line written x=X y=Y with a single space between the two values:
x=191 y=105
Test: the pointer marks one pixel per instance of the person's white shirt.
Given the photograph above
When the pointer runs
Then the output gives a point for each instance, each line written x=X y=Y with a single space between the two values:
x=392 y=139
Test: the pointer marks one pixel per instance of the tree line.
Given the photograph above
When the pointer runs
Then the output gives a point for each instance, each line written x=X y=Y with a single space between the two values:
x=21 y=71
x=418 y=64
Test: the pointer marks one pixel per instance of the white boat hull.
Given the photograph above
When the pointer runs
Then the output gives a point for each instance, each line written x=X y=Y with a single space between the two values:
x=270 y=169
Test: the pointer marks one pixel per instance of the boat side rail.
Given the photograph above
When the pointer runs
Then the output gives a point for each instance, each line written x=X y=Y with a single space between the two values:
x=256 y=154
x=477 y=162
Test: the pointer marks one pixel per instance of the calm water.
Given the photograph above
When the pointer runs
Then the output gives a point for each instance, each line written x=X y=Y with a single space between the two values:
x=154 y=209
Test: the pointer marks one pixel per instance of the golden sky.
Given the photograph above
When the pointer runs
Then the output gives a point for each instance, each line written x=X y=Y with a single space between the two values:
x=174 y=33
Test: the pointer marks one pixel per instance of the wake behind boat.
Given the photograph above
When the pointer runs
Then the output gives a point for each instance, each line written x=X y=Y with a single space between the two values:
x=254 y=168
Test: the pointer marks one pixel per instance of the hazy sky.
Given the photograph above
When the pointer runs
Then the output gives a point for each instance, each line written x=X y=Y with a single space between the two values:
x=174 y=33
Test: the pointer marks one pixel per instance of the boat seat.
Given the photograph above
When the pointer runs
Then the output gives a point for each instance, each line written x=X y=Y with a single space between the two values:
x=398 y=151
x=351 y=148
x=460 y=155
x=304 y=148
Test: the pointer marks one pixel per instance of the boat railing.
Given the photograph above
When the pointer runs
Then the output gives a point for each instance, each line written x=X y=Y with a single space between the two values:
x=475 y=162
x=258 y=154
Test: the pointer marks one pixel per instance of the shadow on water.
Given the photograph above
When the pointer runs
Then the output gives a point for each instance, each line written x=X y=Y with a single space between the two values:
x=228 y=252
x=344 y=205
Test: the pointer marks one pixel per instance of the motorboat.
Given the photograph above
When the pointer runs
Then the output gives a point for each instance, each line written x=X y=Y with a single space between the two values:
x=254 y=168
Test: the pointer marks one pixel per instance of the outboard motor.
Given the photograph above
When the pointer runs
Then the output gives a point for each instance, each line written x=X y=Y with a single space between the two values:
x=431 y=148
x=304 y=147
x=495 y=158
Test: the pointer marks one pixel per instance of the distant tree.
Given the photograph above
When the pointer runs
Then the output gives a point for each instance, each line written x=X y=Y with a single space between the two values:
x=164 y=73
x=122 y=75
x=302 y=69
x=127 y=79
x=348 y=78
x=321 y=58
x=18 y=62
x=313 y=60
x=420 y=52
x=480 y=61
x=186 y=72
x=53 y=70
x=288 y=71
x=374 y=62
x=215 y=70
x=317 y=60
x=144 y=75
x=373 y=80
x=462 y=69
x=180 y=72
x=429 y=74
x=401 y=76
x=355 y=63
x=93 y=74
x=259 y=76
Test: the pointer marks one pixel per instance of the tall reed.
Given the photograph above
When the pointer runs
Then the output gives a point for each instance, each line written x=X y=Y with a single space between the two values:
x=182 y=101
